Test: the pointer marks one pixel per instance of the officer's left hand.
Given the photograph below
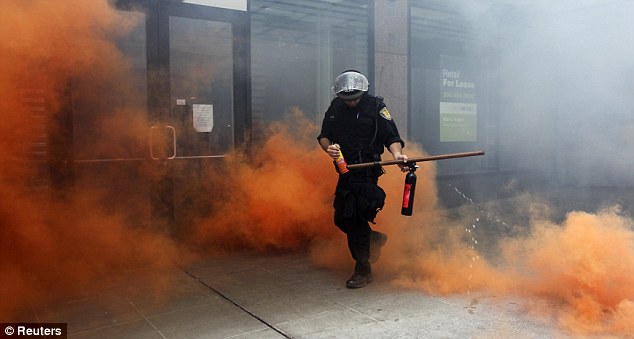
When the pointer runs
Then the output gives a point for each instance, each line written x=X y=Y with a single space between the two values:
x=402 y=157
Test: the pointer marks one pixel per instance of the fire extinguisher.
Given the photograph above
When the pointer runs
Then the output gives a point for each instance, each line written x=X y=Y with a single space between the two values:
x=408 y=192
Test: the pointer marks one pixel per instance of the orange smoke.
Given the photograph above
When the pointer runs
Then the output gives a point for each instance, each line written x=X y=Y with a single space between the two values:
x=55 y=244
x=585 y=266
x=279 y=199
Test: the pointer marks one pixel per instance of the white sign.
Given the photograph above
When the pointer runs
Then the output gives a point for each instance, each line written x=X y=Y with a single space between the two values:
x=240 y=5
x=203 y=117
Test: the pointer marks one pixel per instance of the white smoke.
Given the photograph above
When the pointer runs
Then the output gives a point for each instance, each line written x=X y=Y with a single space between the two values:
x=567 y=75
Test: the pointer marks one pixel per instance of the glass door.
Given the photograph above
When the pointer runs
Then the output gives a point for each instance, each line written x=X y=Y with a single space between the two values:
x=201 y=87
x=202 y=58
x=107 y=115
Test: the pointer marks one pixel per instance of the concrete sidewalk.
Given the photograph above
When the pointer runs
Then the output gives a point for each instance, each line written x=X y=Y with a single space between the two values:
x=251 y=295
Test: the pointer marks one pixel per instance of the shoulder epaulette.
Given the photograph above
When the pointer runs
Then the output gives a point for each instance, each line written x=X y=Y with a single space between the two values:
x=379 y=102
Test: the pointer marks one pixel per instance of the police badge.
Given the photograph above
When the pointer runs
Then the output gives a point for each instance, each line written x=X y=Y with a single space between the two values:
x=385 y=113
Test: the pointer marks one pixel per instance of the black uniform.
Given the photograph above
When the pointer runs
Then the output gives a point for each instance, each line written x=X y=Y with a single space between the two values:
x=363 y=132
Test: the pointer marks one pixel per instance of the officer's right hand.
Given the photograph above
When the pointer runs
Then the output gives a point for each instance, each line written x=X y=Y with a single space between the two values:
x=333 y=151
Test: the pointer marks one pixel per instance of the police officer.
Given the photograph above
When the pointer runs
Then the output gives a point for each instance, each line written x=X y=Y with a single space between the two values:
x=358 y=125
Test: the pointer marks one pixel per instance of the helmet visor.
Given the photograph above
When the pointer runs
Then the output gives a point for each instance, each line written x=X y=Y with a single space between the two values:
x=350 y=84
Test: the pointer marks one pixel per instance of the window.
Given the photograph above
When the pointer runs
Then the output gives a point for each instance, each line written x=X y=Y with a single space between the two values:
x=451 y=86
x=298 y=48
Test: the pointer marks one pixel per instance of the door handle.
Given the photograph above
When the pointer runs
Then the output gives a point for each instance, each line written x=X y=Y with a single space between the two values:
x=173 y=141
x=153 y=130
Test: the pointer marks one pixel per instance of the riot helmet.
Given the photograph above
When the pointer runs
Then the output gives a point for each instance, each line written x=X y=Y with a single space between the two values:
x=350 y=85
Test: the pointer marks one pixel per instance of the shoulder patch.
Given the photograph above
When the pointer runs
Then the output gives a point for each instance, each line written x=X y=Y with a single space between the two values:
x=385 y=113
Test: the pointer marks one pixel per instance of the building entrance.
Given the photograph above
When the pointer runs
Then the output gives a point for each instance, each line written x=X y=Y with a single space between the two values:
x=190 y=108
x=198 y=103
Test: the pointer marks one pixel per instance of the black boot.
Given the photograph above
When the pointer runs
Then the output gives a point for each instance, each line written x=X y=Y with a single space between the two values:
x=377 y=240
x=359 y=280
x=362 y=275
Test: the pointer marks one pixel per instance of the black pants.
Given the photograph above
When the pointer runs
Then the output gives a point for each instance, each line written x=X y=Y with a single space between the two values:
x=350 y=220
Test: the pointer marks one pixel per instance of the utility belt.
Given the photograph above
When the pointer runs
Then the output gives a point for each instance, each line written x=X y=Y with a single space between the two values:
x=366 y=174
x=361 y=157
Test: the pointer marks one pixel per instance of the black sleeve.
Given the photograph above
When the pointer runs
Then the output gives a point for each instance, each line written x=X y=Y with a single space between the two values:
x=329 y=123
x=388 y=132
